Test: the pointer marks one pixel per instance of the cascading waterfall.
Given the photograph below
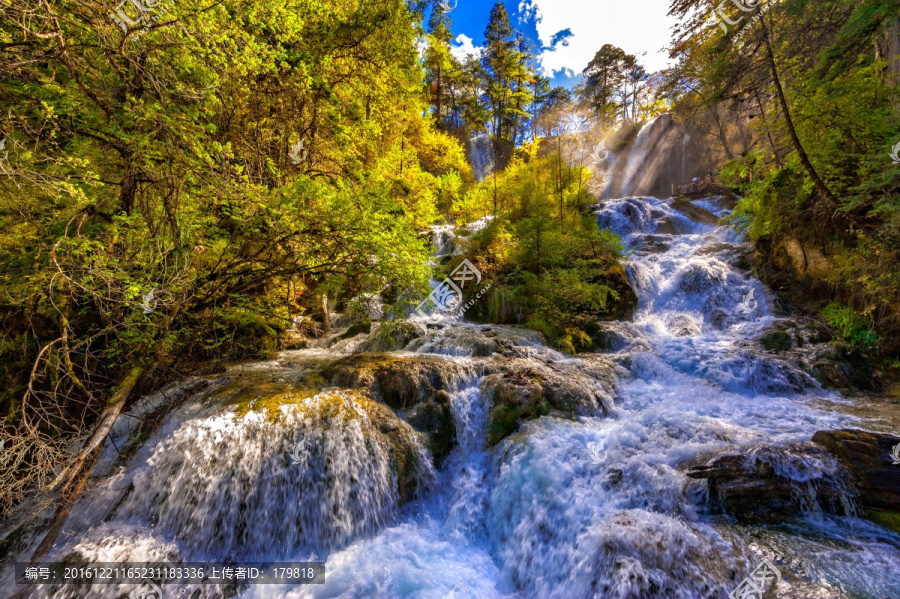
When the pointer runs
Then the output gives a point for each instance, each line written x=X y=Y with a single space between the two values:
x=593 y=503
x=637 y=156
x=481 y=150
x=659 y=156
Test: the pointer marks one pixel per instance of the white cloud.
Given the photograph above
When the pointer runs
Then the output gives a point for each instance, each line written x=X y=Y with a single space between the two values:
x=465 y=47
x=421 y=46
x=635 y=26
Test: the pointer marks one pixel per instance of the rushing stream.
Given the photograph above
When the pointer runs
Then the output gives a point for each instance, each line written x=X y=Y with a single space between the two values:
x=591 y=504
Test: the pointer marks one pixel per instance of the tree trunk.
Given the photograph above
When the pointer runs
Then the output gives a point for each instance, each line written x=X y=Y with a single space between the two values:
x=494 y=177
x=804 y=159
x=721 y=130
x=129 y=186
x=762 y=115
x=326 y=318
x=438 y=91
x=888 y=49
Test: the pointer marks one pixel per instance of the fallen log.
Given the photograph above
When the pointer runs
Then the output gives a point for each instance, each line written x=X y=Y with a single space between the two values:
x=73 y=479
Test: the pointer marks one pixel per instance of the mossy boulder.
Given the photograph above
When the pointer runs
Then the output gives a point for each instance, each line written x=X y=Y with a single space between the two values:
x=402 y=448
x=517 y=396
x=529 y=390
x=417 y=387
x=624 y=301
x=400 y=382
x=358 y=328
x=776 y=341
x=391 y=336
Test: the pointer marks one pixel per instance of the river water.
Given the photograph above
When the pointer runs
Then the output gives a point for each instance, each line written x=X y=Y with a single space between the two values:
x=593 y=506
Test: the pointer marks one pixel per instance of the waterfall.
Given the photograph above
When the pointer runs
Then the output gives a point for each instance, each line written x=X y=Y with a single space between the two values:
x=588 y=498
x=657 y=158
x=637 y=156
x=481 y=151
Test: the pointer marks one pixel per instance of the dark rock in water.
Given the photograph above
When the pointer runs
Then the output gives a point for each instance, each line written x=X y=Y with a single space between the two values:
x=626 y=303
x=718 y=319
x=363 y=326
x=840 y=366
x=776 y=341
x=416 y=387
x=695 y=213
x=651 y=244
x=772 y=484
x=873 y=470
x=434 y=418
x=682 y=325
x=665 y=226
x=516 y=396
x=401 y=448
x=609 y=336
x=699 y=278
x=810 y=347
x=833 y=374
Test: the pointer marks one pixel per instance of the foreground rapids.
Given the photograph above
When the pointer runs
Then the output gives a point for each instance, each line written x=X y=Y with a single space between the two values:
x=475 y=462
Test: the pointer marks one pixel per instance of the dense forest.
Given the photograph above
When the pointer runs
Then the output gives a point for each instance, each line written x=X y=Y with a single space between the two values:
x=204 y=182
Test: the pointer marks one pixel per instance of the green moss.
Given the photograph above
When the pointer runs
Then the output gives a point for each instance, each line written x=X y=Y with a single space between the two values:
x=885 y=519
x=776 y=341
x=504 y=420
x=329 y=404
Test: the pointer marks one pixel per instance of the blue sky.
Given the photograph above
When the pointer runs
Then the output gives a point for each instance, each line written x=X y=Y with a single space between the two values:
x=567 y=33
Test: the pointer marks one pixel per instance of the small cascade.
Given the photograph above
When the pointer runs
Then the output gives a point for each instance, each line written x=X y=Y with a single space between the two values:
x=305 y=474
x=481 y=155
x=442 y=238
x=818 y=483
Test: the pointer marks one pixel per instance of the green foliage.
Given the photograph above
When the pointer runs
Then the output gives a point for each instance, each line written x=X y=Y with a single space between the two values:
x=550 y=266
x=855 y=328
x=820 y=84
x=240 y=162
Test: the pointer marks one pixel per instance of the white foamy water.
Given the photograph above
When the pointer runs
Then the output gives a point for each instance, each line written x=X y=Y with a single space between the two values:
x=569 y=508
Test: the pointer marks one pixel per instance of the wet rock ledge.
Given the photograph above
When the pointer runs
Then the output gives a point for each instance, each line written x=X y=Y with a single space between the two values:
x=842 y=472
